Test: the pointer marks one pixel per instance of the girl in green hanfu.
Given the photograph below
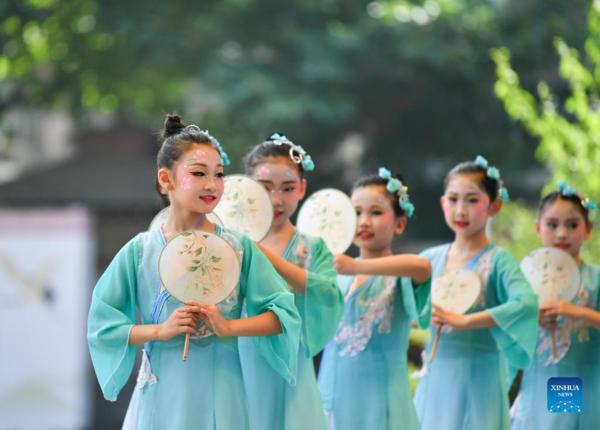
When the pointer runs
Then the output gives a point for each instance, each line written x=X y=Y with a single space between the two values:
x=207 y=391
x=363 y=378
x=466 y=386
x=564 y=222
x=306 y=264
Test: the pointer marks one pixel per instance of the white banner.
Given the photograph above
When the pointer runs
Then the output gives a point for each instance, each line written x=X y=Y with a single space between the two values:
x=46 y=278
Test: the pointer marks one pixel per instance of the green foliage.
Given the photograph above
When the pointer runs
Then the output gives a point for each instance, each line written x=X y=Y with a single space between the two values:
x=410 y=79
x=514 y=229
x=568 y=132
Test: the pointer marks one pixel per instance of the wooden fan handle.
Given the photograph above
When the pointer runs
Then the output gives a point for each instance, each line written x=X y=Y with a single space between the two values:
x=553 y=336
x=186 y=347
x=435 y=343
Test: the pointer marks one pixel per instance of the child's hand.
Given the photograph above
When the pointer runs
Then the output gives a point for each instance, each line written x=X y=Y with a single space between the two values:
x=441 y=316
x=182 y=320
x=344 y=265
x=212 y=316
x=560 y=307
x=549 y=323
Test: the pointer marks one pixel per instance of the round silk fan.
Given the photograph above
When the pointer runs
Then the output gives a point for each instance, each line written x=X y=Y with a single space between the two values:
x=246 y=206
x=330 y=215
x=553 y=275
x=201 y=266
x=455 y=291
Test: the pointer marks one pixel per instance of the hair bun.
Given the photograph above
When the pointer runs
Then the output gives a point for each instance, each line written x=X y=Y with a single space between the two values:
x=173 y=125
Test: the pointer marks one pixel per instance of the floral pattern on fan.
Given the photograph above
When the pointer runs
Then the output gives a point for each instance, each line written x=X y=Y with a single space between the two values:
x=198 y=265
x=208 y=276
x=329 y=214
x=456 y=290
x=246 y=206
x=552 y=273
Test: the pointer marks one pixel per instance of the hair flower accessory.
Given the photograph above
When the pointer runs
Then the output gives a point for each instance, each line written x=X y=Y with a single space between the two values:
x=589 y=204
x=396 y=186
x=384 y=173
x=480 y=161
x=408 y=207
x=565 y=189
x=222 y=153
x=297 y=154
x=393 y=185
x=308 y=163
x=493 y=173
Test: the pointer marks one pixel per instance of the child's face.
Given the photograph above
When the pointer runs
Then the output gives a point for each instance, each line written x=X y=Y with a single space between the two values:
x=466 y=205
x=197 y=179
x=281 y=178
x=562 y=225
x=376 y=221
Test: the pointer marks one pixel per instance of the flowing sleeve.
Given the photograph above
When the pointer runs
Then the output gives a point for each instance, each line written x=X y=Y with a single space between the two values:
x=112 y=315
x=416 y=300
x=266 y=291
x=322 y=304
x=517 y=314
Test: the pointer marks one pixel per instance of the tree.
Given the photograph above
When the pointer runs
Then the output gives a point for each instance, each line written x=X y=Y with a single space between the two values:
x=405 y=84
x=568 y=131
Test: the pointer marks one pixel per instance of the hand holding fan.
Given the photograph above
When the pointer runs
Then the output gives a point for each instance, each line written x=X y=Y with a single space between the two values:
x=200 y=266
x=553 y=275
x=455 y=291
x=330 y=215
x=246 y=206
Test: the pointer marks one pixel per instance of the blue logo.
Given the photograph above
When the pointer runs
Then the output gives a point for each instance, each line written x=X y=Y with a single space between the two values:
x=565 y=395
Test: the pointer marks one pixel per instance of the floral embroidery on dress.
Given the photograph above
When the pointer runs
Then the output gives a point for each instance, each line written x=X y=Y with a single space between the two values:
x=303 y=256
x=377 y=312
x=566 y=327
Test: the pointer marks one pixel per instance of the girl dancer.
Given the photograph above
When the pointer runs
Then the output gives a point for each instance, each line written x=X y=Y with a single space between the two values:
x=363 y=378
x=564 y=222
x=307 y=265
x=206 y=391
x=466 y=386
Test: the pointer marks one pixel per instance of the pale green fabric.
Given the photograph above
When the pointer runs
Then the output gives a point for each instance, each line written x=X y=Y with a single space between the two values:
x=363 y=379
x=207 y=391
x=466 y=386
x=577 y=356
x=274 y=404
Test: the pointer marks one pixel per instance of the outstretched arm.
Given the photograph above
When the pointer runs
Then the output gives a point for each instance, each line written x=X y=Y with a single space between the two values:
x=406 y=265
x=294 y=275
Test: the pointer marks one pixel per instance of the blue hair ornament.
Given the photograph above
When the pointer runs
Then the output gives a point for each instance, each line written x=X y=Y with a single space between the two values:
x=297 y=154
x=396 y=186
x=589 y=204
x=565 y=189
x=222 y=153
x=493 y=173
x=408 y=207
x=482 y=162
